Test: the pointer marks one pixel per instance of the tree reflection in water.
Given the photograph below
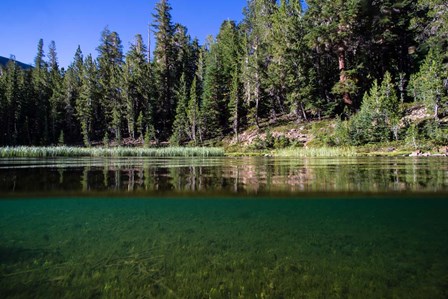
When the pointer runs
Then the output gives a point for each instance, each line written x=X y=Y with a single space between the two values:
x=222 y=176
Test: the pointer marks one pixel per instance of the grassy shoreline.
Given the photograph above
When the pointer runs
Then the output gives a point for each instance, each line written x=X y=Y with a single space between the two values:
x=64 y=151
x=293 y=152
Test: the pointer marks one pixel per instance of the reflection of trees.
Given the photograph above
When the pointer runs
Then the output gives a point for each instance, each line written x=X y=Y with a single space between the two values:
x=248 y=175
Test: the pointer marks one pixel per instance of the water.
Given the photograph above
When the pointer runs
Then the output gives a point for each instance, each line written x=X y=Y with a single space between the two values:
x=220 y=176
x=224 y=228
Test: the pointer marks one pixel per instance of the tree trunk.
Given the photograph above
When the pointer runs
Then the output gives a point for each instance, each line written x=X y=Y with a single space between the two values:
x=343 y=77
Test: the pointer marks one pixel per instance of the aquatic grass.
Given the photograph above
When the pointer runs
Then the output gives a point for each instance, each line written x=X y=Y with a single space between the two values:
x=317 y=152
x=65 y=151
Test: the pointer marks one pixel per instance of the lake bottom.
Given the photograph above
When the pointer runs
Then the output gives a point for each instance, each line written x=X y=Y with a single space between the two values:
x=224 y=248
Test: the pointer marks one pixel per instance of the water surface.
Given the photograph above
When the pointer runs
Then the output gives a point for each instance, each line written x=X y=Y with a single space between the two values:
x=221 y=176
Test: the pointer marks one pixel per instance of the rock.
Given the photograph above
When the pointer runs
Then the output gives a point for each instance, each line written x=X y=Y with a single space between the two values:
x=417 y=153
x=443 y=150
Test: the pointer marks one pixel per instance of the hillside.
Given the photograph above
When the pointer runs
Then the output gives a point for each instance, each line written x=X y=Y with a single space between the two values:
x=4 y=61
x=288 y=133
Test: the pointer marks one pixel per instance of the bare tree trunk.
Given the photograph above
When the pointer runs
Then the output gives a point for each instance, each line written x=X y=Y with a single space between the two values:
x=343 y=77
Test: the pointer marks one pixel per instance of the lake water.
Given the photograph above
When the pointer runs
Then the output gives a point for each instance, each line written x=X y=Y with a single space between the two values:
x=224 y=228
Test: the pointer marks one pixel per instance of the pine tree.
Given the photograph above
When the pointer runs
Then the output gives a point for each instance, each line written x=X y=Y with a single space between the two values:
x=435 y=33
x=257 y=26
x=71 y=90
x=228 y=53
x=428 y=85
x=110 y=61
x=136 y=86
x=334 y=27
x=210 y=112
x=87 y=99
x=55 y=82
x=165 y=69
x=11 y=104
x=3 y=106
x=379 y=114
x=193 y=113
x=40 y=117
x=235 y=104
x=180 y=126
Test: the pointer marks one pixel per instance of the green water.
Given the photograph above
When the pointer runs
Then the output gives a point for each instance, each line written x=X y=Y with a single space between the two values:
x=379 y=229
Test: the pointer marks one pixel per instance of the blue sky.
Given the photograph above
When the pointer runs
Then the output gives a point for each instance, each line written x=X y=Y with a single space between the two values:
x=79 y=22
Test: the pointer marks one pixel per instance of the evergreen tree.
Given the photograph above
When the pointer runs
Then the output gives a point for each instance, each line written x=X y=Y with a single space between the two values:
x=136 y=87
x=180 y=126
x=40 y=116
x=193 y=113
x=11 y=105
x=235 y=104
x=334 y=26
x=436 y=30
x=228 y=54
x=165 y=68
x=2 y=106
x=55 y=81
x=257 y=26
x=72 y=82
x=210 y=112
x=428 y=85
x=110 y=61
x=379 y=115
x=87 y=100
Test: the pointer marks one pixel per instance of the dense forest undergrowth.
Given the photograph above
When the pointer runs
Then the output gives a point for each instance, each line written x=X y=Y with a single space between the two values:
x=357 y=73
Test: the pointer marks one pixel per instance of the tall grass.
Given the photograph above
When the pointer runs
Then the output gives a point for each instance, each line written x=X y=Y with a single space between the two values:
x=64 y=151
x=317 y=152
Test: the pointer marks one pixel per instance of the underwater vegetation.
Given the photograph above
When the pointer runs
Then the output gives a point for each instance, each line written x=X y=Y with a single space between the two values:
x=321 y=248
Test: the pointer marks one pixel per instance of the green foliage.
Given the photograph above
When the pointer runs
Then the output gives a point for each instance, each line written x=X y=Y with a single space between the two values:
x=436 y=131
x=137 y=88
x=61 y=138
x=106 y=140
x=165 y=56
x=412 y=136
x=149 y=136
x=269 y=139
x=193 y=114
x=428 y=85
x=281 y=142
x=87 y=98
x=377 y=121
x=180 y=126
x=110 y=61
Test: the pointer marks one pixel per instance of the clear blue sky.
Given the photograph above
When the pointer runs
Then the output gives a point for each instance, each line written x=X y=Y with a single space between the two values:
x=79 y=22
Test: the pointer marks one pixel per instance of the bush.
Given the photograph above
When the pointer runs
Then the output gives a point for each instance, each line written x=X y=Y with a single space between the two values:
x=281 y=142
x=436 y=132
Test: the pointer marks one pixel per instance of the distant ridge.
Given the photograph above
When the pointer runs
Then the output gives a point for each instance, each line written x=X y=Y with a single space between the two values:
x=4 y=61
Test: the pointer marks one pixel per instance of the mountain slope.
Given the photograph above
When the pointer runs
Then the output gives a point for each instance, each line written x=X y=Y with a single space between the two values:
x=4 y=61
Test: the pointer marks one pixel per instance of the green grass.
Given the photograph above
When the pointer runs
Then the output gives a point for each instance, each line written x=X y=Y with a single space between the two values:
x=64 y=151
x=316 y=152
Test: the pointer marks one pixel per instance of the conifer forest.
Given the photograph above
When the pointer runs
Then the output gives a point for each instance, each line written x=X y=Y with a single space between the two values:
x=361 y=63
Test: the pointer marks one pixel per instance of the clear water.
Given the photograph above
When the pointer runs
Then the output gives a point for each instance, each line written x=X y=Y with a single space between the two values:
x=133 y=228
